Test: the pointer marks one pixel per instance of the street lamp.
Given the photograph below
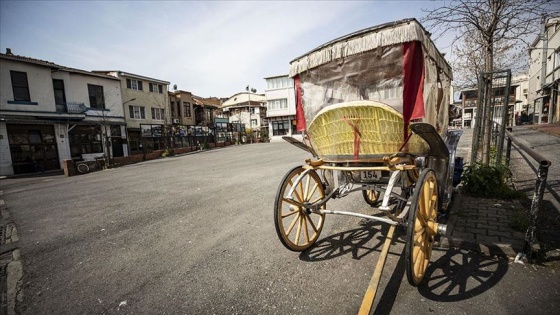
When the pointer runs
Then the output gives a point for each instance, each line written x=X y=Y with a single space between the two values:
x=130 y=100
x=249 y=90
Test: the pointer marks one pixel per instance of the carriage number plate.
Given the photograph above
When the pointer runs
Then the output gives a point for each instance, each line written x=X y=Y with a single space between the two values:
x=369 y=175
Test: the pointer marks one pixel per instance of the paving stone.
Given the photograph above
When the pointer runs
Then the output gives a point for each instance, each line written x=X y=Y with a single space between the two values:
x=486 y=226
x=487 y=239
x=500 y=233
x=478 y=231
x=464 y=235
x=477 y=221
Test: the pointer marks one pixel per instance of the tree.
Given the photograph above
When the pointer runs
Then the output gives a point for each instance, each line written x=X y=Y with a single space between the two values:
x=491 y=27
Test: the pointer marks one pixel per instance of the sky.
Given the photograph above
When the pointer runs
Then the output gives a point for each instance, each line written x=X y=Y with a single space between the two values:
x=209 y=48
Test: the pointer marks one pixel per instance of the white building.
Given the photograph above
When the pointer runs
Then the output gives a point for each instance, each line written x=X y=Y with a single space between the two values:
x=49 y=113
x=544 y=74
x=281 y=107
x=246 y=108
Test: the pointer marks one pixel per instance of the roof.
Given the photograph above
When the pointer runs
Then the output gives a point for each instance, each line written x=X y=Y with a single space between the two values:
x=243 y=97
x=277 y=76
x=207 y=101
x=119 y=73
x=368 y=39
x=53 y=65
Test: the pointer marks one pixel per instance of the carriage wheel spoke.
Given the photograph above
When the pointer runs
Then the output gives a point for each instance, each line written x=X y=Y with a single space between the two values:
x=298 y=231
x=311 y=223
x=289 y=214
x=306 y=194
x=306 y=232
x=289 y=230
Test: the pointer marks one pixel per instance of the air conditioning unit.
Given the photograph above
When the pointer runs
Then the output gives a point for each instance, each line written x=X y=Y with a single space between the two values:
x=176 y=121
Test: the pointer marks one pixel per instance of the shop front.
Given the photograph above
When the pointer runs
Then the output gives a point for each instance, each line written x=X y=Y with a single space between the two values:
x=33 y=148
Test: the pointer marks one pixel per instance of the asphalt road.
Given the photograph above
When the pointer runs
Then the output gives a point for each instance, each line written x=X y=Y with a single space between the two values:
x=195 y=235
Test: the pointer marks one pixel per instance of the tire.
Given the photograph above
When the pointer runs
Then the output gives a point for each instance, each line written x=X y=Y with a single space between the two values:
x=82 y=168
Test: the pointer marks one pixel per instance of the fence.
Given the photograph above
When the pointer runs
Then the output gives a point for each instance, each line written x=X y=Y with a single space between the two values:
x=540 y=184
x=491 y=117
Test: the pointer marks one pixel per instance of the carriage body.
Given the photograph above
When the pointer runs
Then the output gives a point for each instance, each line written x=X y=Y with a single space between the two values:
x=373 y=107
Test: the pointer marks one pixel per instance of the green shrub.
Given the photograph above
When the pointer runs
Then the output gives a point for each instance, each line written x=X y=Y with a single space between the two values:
x=488 y=181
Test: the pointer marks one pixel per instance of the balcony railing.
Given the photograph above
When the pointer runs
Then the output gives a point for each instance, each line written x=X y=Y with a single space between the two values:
x=71 y=108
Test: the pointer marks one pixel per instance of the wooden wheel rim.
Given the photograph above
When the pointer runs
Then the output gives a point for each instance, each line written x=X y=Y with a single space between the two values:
x=297 y=227
x=422 y=226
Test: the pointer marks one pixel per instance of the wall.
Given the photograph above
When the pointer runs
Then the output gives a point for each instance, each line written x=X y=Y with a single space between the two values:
x=39 y=82
x=5 y=157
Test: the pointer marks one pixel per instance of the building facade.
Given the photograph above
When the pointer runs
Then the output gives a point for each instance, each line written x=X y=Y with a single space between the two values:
x=245 y=109
x=469 y=103
x=544 y=74
x=146 y=109
x=49 y=113
x=281 y=107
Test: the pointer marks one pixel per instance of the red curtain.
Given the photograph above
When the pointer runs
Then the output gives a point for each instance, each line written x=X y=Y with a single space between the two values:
x=413 y=83
x=300 y=117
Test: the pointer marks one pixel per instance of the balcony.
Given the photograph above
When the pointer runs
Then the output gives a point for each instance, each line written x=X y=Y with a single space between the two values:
x=71 y=108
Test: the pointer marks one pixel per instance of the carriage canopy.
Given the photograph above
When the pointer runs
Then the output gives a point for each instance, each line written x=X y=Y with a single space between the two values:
x=394 y=64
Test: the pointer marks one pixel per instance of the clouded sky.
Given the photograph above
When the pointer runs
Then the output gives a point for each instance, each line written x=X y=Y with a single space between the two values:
x=210 y=48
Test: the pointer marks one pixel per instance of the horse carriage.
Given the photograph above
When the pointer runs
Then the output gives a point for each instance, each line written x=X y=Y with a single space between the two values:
x=373 y=107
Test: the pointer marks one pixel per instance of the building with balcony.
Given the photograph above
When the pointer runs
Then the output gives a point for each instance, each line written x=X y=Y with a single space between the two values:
x=146 y=109
x=544 y=74
x=281 y=107
x=469 y=103
x=49 y=113
x=246 y=111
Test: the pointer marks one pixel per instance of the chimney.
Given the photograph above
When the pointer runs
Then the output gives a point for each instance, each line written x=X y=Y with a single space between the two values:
x=9 y=51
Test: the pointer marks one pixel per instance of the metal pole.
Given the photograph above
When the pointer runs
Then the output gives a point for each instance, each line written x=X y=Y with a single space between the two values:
x=536 y=205
x=508 y=151
x=504 y=119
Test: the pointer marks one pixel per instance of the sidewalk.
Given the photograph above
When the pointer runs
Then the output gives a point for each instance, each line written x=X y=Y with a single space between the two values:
x=478 y=223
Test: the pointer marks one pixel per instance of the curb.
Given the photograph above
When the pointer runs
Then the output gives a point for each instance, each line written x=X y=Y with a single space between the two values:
x=11 y=266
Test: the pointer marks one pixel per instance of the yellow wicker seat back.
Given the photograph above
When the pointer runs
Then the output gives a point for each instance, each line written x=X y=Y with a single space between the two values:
x=357 y=131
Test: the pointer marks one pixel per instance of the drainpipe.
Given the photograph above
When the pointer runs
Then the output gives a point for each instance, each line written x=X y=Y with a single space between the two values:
x=544 y=39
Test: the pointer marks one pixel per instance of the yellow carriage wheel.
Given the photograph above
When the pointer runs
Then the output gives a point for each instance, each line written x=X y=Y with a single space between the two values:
x=422 y=226
x=371 y=196
x=297 y=227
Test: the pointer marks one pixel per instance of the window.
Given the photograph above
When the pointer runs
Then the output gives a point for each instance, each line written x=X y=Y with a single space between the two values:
x=134 y=84
x=96 y=97
x=85 y=139
x=59 y=96
x=280 y=128
x=156 y=88
x=187 y=109
x=254 y=123
x=158 y=113
x=20 y=87
x=251 y=110
x=137 y=112
x=278 y=104
x=279 y=83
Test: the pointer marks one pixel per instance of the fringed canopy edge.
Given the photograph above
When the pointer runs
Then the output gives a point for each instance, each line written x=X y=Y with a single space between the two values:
x=368 y=39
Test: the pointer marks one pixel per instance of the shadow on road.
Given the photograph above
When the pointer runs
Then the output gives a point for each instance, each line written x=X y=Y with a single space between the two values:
x=461 y=274
x=354 y=242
